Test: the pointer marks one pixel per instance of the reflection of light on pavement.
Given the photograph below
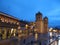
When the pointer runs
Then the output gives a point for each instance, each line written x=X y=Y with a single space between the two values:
x=14 y=34
x=50 y=29
x=56 y=42
x=36 y=36
x=50 y=34
x=51 y=40
x=59 y=42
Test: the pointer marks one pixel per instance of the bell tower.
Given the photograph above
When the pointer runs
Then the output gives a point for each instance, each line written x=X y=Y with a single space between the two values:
x=38 y=16
x=42 y=28
x=45 y=20
x=39 y=22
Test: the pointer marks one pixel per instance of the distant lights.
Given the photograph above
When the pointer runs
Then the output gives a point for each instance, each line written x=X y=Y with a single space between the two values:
x=50 y=29
x=50 y=34
x=35 y=30
x=36 y=36
x=54 y=30
x=26 y=26
x=11 y=30
x=19 y=27
x=20 y=31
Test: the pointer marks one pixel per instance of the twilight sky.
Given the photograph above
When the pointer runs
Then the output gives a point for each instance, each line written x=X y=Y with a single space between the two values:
x=26 y=9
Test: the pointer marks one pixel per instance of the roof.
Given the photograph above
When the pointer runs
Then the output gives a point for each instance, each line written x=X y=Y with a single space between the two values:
x=38 y=13
x=5 y=14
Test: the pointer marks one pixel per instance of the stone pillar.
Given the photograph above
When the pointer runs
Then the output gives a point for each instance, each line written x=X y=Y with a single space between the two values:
x=19 y=31
x=14 y=33
x=4 y=33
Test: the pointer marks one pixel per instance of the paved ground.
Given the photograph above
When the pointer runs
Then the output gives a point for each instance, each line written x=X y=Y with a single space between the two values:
x=30 y=40
x=12 y=41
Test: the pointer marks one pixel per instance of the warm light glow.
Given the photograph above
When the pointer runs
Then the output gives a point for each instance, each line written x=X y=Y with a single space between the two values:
x=33 y=24
x=19 y=27
x=54 y=30
x=36 y=36
x=50 y=29
x=19 y=35
x=56 y=42
x=17 y=23
x=12 y=30
x=59 y=42
x=32 y=27
x=26 y=26
x=14 y=34
x=20 y=31
x=35 y=30
x=2 y=19
x=51 y=34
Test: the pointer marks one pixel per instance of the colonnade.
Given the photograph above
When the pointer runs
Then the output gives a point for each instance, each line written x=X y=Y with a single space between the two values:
x=7 y=32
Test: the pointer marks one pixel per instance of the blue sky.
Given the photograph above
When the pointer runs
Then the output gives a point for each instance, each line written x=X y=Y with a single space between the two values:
x=26 y=9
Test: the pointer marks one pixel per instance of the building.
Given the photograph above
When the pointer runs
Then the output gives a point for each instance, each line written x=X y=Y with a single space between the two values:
x=45 y=21
x=8 y=25
x=42 y=29
x=41 y=23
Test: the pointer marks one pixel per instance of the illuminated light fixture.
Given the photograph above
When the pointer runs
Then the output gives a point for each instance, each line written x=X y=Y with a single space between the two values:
x=17 y=23
x=12 y=30
x=54 y=30
x=59 y=42
x=50 y=29
x=14 y=34
x=51 y=34
x=26 y=26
